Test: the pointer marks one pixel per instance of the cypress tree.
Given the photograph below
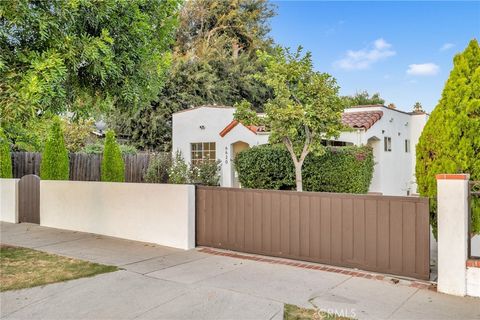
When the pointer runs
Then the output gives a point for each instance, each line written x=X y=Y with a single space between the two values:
x=450 y=141
x=55 y=164
x=5 y=158
x=113 y=167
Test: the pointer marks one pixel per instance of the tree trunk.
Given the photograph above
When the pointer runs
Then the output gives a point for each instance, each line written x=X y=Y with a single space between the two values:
x=298 y=176
x=297 y=162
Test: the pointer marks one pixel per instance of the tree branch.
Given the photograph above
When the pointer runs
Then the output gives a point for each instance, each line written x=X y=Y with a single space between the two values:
x=289 y=146
x=308 y=141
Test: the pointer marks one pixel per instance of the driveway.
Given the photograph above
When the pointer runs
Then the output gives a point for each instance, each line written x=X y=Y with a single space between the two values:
x=165 y=283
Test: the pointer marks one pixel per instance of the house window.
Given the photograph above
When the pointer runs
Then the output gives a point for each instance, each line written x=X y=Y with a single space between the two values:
x=202 y=151
x=407 y=146
x=387 y=143
x=335 y=143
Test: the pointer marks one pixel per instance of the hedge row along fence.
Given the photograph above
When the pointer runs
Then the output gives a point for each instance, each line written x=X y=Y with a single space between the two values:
x=340 y=169
x=83 y=167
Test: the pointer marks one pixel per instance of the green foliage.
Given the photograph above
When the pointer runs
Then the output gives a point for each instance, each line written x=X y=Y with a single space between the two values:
x=82 y=56
x=265 y=167
x=450 y=141
x=244 y=111
x=345 y=169
x=55 y=164
x=362 y=98
x=30 y=136
x=113 y=167
x=158 y=169
x=97 y=148
x=213 y=63
x=179 y=172
x=305 y=107
x=77 y=133
x=5 y=157
x=93 y=148
x=205 y=173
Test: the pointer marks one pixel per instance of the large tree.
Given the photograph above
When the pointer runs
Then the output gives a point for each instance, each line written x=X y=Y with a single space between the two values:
x=450 y=141
x=362 y=98
x=213 y=62
x=305 y=107
x=81 y=55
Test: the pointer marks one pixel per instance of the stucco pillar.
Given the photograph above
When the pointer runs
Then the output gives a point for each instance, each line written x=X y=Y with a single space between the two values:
x=452 y=195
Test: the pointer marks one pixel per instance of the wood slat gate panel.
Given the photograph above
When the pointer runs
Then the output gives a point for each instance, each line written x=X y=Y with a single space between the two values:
x=29 y=199
x=377 y=233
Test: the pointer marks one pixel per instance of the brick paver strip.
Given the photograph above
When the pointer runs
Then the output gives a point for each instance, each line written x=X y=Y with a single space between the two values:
x=314 y=266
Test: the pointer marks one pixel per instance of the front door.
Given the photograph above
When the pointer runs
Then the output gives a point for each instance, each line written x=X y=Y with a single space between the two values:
x=236 y=148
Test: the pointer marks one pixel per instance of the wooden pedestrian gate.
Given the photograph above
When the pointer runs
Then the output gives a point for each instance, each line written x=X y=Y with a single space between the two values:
x=29 y=199
x=377 y=233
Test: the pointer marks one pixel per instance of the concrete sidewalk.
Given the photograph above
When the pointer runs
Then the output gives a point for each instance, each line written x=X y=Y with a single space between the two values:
x=165 y=283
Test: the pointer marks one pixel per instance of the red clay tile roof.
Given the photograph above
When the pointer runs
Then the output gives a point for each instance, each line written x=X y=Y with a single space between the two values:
x=361 y=119
x=234 y=123
x=356 y=120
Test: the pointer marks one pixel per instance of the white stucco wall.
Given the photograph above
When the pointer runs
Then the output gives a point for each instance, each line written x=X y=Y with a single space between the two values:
x=9 y=200
x=473 y=282
x=163 y=214
x=187 y=130
x=452 y=195
x=418 y=122
x=394 y=172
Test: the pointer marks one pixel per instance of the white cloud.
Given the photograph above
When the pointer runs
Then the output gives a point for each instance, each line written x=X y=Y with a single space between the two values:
x=423 y=69
x=447 y=46
x=362 y=59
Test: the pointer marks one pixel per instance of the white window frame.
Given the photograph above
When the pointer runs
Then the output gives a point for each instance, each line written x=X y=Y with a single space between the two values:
x=387 y=144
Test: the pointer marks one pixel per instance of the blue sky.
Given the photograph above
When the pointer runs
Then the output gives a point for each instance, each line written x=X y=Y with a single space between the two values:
x=403 y=50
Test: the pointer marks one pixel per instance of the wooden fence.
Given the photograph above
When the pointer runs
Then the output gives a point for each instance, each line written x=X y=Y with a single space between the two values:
x=378 y=233
x=83 y=167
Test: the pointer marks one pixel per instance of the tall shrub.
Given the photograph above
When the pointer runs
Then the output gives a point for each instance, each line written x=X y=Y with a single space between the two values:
x=158 y=169
x=5 y=157
x=55 y=164
x=450 y=141
x=346 y=169
x=113 y=167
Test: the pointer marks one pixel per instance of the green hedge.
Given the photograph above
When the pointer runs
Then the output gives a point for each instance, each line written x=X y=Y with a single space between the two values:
x=345 y=169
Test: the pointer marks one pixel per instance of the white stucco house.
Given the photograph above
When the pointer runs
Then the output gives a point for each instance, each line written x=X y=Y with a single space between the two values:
x=211 y=132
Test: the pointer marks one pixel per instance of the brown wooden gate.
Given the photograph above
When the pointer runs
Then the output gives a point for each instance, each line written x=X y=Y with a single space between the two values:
x=29 y=199
x=378 y=233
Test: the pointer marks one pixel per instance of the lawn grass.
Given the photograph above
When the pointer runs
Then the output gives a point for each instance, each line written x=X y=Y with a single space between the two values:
x=25 y=268
x=292 y=312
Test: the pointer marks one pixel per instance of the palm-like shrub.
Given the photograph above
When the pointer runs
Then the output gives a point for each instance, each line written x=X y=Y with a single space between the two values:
x=5 y=158
x=55 y=164
x=113 y=167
